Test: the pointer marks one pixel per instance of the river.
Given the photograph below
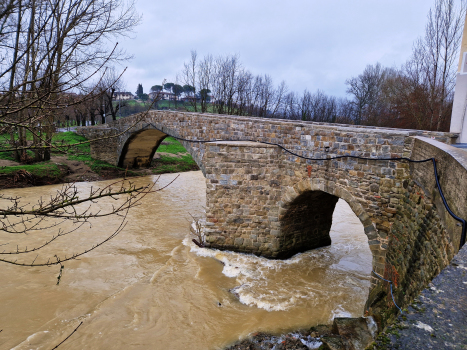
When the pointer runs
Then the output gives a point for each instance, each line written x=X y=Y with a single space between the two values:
x=151 y=288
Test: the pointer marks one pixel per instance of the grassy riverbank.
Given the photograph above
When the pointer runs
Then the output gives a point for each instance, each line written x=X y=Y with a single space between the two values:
x=72 y=162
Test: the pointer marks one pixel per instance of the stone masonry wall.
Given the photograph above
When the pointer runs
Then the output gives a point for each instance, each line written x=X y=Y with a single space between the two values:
x=308 y=137
x=419 y=248
x=452 y=164
x=105 y=145
x=367 y=185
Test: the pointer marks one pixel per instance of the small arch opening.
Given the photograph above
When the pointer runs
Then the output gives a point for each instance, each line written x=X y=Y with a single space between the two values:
x=155 y=149
x=140 y=147
x=307 y=222
x=309 y=218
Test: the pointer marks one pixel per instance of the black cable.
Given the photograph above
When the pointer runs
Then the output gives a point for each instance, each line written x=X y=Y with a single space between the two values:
x=433 y=160
x=447 y=206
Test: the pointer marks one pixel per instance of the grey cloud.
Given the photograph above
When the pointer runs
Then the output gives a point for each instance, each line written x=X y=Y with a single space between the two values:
x=309 y=44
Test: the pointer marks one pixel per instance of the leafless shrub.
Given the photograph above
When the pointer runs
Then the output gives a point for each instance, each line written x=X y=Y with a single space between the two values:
x=197 y=230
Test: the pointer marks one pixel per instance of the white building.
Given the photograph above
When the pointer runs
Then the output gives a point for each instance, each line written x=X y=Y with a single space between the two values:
x=123 y=96
x=162 y=95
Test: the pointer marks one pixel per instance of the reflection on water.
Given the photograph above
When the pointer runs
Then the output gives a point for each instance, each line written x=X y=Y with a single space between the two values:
x=151 y=288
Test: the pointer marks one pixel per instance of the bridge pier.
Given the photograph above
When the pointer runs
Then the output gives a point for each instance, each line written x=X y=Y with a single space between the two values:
x=243 y=194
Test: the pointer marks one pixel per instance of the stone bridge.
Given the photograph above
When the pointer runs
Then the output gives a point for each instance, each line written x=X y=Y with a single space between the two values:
x=265 y=201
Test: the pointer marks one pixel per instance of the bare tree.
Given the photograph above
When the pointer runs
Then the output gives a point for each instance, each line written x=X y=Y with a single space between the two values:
x=58 y=46
x=189 y=77
x=435 y=56
x=366 y=91
x=50 y=52
x=224 y=83
x=205 y=70
x=109 y=83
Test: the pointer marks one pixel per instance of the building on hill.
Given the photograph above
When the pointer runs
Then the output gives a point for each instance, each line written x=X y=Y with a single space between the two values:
x=123 y=96
x=163 y=95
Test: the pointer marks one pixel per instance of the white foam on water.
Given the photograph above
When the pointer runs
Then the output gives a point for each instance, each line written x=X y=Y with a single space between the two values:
x=340 y=312
x=266 y=283
x=372 y=326
x=312 y=344
x=252 y=273
x=308 y=341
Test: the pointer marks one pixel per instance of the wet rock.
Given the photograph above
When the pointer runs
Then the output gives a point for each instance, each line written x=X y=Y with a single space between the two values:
x=290 y=341
x=333 y=342
x=343 y=334
x=354 y=332
x=246 y=345
x=320 y=330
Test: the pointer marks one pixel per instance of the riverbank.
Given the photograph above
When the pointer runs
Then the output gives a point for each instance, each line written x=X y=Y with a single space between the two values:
x=344 y=334
x=77 y=165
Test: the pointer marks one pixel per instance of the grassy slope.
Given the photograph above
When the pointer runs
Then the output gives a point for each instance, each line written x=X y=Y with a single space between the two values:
x=167 y=164
x=82 y=152
x=39 y=170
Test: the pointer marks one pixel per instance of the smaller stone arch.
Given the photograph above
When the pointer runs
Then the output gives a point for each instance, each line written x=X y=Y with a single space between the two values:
x=140 y=147
x=325 y=194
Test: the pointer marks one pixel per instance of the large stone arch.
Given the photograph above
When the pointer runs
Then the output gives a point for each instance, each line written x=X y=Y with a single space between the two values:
x=304 y=190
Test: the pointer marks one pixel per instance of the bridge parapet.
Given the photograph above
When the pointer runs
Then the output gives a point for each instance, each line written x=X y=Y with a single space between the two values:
x=306 y=137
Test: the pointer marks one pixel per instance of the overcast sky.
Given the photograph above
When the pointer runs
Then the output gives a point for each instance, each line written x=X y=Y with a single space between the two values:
x=311 y=44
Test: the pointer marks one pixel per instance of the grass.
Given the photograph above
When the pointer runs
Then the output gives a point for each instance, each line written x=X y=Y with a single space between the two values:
x=61 y=140
x=7 y=156
x=5 y=144
x=167 y=164
x=131 y=103
x=82 y=152
x=40 y=169
x=64 y=140
x=173 y=146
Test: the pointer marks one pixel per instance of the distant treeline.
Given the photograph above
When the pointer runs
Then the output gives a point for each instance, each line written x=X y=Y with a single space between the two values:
x=417 y=95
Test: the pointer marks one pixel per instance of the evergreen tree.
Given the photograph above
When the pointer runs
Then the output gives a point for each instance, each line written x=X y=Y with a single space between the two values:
x=139 y=90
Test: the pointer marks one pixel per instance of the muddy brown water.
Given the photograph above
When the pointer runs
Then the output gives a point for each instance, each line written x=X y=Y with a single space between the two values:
x=151 y=288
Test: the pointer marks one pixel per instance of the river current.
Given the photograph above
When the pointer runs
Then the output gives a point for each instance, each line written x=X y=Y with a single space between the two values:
x=151 y=288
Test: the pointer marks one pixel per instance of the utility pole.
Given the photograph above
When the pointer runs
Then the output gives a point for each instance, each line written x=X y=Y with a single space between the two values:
x=459 y=108
x=103 y=105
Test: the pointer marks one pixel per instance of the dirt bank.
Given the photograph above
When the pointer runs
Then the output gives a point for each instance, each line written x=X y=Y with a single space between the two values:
x=63 y=170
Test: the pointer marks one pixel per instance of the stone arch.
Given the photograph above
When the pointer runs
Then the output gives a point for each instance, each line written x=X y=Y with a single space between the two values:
x=326 y=190
x=139 y=148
